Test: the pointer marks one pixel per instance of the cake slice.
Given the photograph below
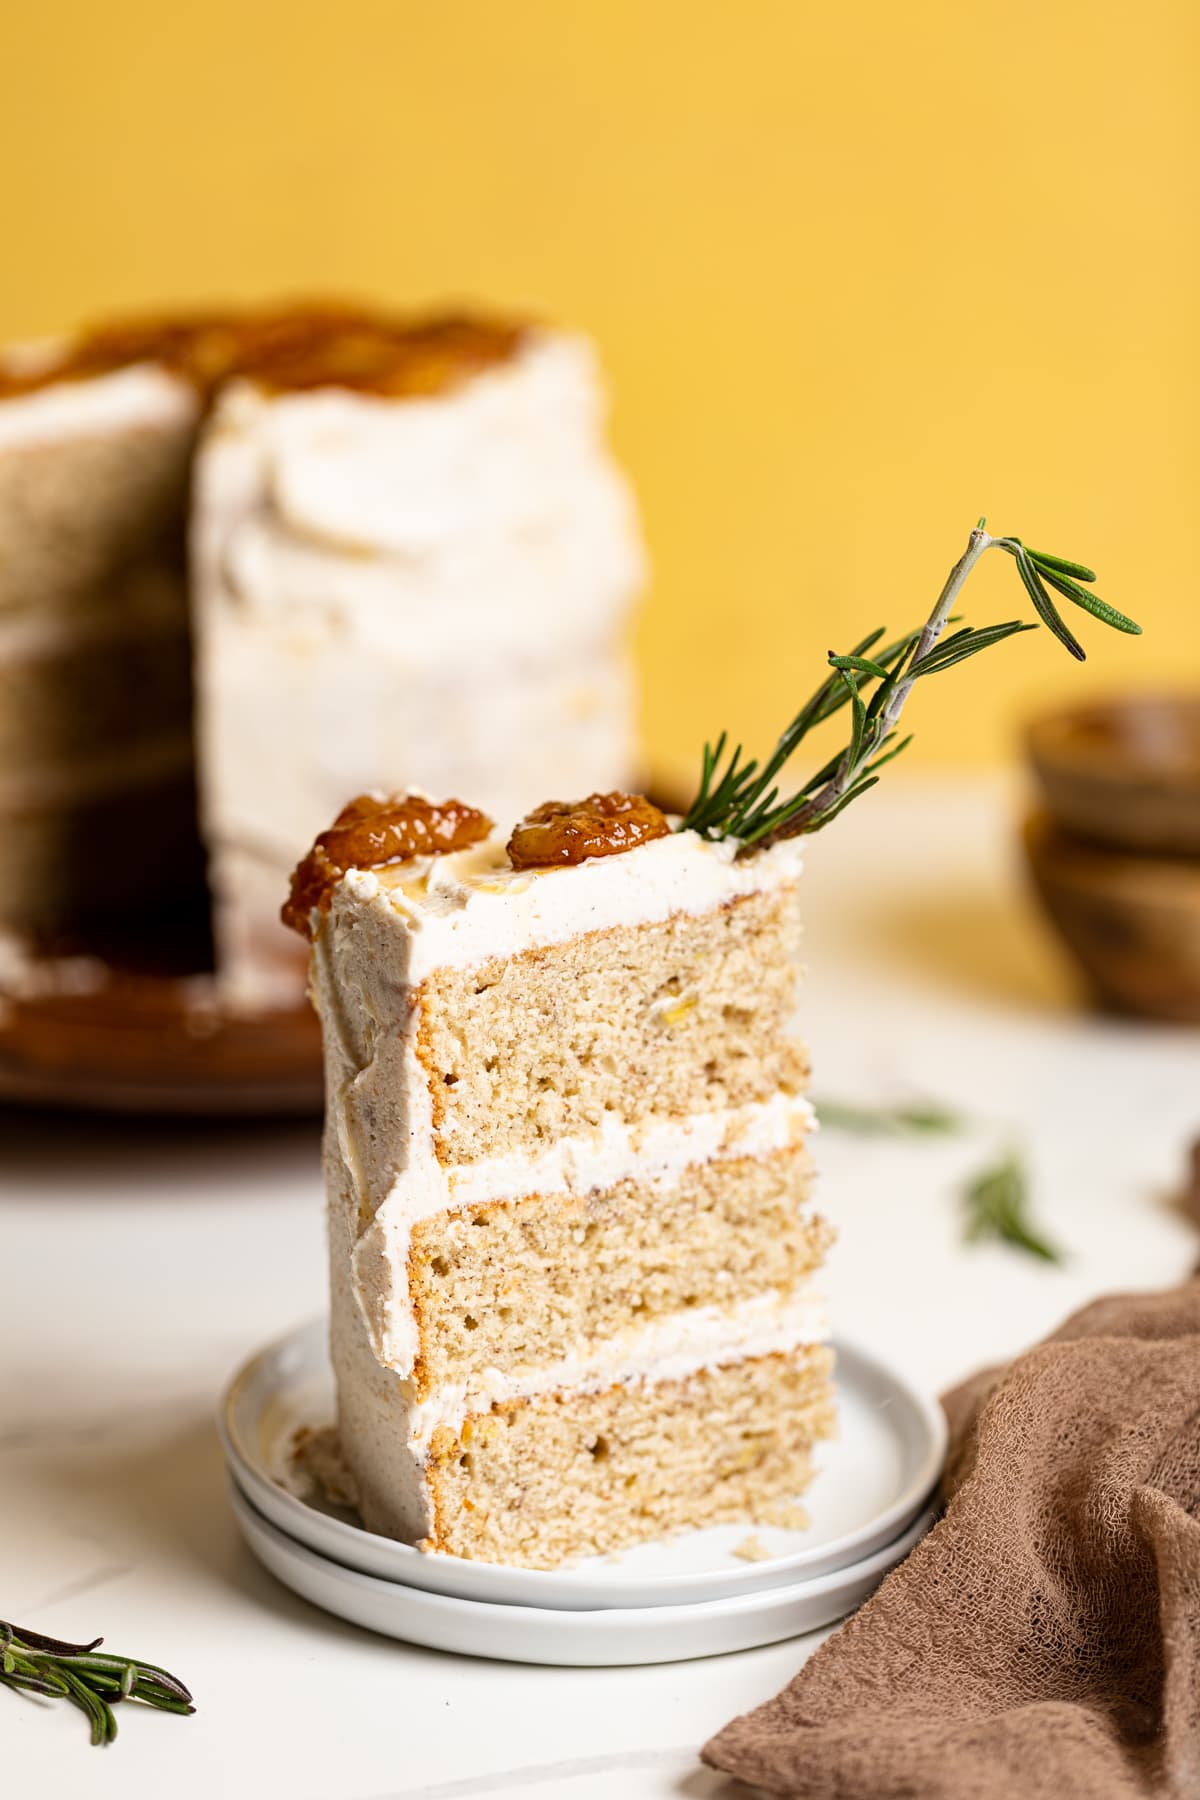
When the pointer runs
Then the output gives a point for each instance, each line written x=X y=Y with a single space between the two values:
x=571 y=1231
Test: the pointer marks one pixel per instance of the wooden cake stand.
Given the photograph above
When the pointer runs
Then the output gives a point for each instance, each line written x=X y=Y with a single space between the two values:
x=133 y=1026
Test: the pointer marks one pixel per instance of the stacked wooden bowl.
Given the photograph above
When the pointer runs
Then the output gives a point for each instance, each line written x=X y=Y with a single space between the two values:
x=1115 y=847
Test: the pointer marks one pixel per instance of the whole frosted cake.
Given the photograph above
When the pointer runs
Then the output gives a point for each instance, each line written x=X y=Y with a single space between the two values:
x=571 y=1235
x=407 y=543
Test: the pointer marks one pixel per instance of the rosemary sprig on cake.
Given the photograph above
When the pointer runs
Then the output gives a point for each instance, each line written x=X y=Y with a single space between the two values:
x=739 y=799
x=33 y=1664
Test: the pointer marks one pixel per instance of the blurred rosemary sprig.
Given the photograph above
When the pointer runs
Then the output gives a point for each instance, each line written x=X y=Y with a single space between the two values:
x=995 y=1201
x=740 y=799
x=887 y=1121
x=33 y=1664
x=997 y=1206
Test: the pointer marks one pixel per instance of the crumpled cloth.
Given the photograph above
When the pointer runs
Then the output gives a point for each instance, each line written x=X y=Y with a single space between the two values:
x=1043 y=1641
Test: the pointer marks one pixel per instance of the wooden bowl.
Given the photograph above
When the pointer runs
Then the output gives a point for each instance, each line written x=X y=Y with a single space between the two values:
x=1131 y=921
x=1124 y=772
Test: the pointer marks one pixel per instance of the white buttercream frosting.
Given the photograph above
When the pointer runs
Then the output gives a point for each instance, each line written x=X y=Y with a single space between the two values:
x=389 y=591
x=506 y=452
x=95 y=406
x=472 y=905
x=388 y=1433
x=657 y=1153
x=669 y=1349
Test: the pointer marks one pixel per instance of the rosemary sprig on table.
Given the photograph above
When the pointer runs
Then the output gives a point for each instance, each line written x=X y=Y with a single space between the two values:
x=33 y=1664
x=997 y=1206
x=887 y=1121
x=995 y=1201
x=739 y=799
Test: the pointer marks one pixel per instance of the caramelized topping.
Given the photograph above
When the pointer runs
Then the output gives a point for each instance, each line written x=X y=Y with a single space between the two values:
x=369 y=833
x=307 y=345
x=202 y=347
x=373 y=354
x=563 y=832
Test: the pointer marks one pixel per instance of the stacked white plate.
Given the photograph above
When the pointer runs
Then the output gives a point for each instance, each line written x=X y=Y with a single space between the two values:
x=687 y=1596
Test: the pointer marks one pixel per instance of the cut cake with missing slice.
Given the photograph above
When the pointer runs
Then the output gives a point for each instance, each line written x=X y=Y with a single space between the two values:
x=571 y=1235
x=366 y=545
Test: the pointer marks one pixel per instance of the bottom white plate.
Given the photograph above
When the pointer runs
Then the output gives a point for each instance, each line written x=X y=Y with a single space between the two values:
x=571 y=1637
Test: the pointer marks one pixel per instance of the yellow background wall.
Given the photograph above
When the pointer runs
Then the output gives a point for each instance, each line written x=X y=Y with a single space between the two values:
x=859 y=273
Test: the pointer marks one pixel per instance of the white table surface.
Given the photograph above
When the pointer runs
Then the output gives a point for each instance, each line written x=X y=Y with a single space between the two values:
x=139 y=1263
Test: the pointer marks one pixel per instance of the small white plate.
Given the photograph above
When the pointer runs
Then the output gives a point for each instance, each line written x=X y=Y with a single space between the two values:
x=570 y=1637
x=872 y=1481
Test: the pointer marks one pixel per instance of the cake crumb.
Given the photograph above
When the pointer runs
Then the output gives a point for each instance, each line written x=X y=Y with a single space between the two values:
x=316 y=1455
x=752 y=1549
x=788 y=1514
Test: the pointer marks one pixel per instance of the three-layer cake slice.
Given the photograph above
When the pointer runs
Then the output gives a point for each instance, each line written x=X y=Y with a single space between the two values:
x=571 y=1232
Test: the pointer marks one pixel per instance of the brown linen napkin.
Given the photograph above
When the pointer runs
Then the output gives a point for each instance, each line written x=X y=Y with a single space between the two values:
x=1044 y=1639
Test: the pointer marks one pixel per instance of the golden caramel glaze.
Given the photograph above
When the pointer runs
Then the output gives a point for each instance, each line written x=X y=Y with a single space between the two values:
x=370 y=354
x=201 y=347
x=370 y=832
x=307 y=345
x=561 y=832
